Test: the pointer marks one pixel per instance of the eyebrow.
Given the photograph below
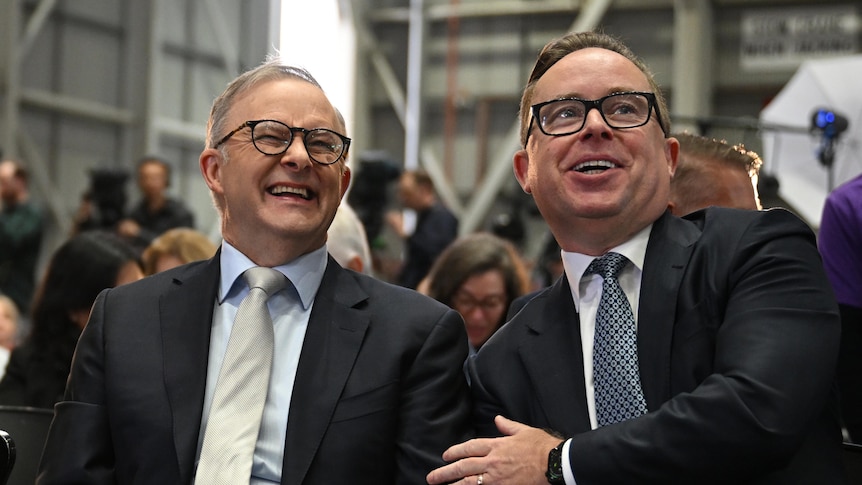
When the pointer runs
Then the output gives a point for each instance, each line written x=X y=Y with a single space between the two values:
x=609 y=92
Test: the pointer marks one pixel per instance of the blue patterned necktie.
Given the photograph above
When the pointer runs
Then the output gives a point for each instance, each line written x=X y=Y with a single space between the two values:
x=618 y=392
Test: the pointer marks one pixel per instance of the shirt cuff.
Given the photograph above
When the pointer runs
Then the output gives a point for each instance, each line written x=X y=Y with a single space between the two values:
x=568 y=475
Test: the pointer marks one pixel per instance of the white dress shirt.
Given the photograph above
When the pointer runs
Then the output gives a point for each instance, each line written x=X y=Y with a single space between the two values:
x=290 y=309
x=586 y=293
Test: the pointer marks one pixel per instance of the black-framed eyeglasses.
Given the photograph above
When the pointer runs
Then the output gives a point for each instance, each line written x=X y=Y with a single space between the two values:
x=272 y=137
x=567 y=116
x=466 y=303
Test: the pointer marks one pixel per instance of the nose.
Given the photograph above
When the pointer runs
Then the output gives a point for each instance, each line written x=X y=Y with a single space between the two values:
x=296 y=156
x=475 y=315
x=595 y=124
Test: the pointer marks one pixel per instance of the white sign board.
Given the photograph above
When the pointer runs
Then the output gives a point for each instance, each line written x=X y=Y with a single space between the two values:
x=782 y=39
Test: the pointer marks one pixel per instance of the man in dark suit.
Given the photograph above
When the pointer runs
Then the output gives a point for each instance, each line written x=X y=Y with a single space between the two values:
x=366 y=381
x=736 y=329
x=436 y=226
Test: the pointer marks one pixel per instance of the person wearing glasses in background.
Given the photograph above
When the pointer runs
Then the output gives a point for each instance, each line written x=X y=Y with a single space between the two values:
x=478 y=275
x=366 y=384
x=696 y=350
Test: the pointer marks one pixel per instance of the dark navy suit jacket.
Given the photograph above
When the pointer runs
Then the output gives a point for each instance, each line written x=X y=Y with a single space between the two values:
x=379 y=392
x=738 y=335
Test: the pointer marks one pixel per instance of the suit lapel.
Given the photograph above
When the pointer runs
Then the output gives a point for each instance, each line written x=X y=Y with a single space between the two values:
x=185 y=312
x=668 y=251
x=552 y=353
x=332 y=342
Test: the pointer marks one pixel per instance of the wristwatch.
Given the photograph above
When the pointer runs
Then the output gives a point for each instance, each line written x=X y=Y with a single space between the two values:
x=554 y=474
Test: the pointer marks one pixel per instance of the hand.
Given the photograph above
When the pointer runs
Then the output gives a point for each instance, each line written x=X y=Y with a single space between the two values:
x=396 y=222
x=519 y=457
x=128 y=228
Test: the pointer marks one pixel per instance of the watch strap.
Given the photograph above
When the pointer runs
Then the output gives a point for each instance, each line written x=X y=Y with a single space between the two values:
x=554 y=473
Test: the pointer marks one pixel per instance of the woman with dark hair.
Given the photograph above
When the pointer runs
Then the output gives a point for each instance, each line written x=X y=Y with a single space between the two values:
x=478 y=276
x=82 y=267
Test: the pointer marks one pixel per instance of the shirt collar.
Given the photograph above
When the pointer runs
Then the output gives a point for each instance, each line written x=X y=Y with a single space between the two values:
x=575 y=264
x=305 y=272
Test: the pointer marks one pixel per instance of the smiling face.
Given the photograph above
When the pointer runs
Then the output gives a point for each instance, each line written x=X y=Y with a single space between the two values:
x=276 y=207
x=598 y=187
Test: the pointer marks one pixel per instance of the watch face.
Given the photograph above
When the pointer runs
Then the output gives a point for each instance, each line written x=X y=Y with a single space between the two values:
x=554 y=474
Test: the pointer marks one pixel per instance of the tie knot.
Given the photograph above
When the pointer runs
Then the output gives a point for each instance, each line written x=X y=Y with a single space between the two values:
x=608 y=266
x=268 y=279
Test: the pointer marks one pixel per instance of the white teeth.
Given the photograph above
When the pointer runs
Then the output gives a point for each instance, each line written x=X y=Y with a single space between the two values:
x=282 y=190
x=593 y=166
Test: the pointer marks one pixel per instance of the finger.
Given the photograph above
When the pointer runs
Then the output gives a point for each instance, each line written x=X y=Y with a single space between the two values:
x=461 y=469
x=507 y=426
x=474 y=447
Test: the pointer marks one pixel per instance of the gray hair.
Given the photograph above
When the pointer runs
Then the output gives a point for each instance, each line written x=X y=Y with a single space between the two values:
x=270 y=70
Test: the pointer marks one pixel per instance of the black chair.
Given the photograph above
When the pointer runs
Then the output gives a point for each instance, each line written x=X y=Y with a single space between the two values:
x=853 y=462
x=7 y=456
x=29 y=426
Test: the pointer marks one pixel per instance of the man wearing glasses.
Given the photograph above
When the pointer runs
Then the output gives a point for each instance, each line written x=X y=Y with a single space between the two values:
x=696 y=350
x=321 y=375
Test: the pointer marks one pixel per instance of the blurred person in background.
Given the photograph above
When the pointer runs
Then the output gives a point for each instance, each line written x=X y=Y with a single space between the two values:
x=347 y=242
x=9 y=316
x=711 y=172
x=436 y=226
x=840 y=245
x=176 y=247
x=156 y=212
x=80 y=268
x=21 y=226
x=478 y=275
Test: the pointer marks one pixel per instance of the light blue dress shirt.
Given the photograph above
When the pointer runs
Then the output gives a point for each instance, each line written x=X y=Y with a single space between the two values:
x=290 y=309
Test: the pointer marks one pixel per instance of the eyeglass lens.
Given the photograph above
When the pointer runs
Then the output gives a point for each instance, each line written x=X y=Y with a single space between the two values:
x=624 y=110
x=273 y=138
x=467 y=304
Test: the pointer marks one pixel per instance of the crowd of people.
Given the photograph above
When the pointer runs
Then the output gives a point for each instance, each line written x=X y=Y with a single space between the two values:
x=685 y=335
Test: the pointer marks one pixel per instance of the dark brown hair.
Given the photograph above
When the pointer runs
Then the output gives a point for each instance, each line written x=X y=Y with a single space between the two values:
x=472 y=255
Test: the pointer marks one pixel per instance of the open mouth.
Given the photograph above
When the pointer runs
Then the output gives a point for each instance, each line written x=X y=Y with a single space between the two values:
x=593 y=167
x=285 y=191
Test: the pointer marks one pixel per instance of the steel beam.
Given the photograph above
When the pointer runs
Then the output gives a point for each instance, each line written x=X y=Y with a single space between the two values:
x=35 y=24
x=397 y=98
x=692 y=60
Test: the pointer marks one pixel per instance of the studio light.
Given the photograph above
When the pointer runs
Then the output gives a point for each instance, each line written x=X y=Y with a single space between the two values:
x=829 y=125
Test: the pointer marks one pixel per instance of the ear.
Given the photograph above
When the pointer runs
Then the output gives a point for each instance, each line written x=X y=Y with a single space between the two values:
x=671 y=154
x=355 y=264
x=521 y=167
x=345 y=179
x=210 y=164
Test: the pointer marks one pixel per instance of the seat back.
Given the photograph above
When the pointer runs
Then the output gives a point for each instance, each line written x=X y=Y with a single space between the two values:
x=29 y=427
x=853 y=462
x=7 y=456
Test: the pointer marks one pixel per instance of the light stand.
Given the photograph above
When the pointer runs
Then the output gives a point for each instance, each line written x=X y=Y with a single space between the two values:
x=829 y=125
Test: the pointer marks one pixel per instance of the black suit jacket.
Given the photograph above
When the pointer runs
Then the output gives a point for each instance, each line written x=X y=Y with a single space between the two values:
x=379 y=391
x=738 y=336
x=436 y=228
